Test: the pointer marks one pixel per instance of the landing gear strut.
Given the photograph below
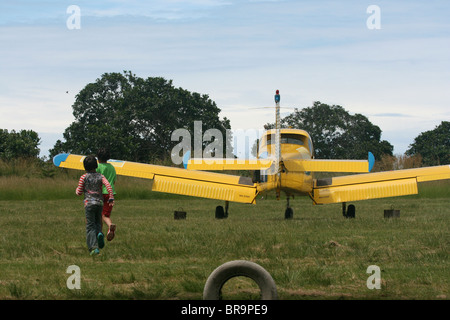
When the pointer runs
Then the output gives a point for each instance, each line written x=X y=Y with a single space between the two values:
x=289 y=213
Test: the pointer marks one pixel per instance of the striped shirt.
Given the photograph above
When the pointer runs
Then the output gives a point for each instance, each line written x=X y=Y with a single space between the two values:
x=91 y=184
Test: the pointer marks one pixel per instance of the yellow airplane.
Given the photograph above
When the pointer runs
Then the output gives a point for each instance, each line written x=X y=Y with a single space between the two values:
x=285 y=163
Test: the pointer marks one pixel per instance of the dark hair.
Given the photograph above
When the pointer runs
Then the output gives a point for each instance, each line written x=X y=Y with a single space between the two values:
x=90 y=163
x=103 y=155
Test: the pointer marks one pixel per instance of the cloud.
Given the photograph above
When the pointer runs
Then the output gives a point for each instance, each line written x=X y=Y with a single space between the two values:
x=238 y=52
x=392 y=115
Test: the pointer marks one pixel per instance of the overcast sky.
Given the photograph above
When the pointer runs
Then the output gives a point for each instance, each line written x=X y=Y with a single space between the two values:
x=237 y=52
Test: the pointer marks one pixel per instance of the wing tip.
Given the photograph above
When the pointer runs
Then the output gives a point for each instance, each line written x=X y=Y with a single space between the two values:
x=186 y=157
x=371 y=161
x=60 y=158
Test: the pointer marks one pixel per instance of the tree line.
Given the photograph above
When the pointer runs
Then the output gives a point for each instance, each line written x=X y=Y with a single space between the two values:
x=22 y=144
x=134 y=118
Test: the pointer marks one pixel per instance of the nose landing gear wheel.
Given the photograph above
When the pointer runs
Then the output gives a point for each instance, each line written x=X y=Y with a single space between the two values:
x=289 y=213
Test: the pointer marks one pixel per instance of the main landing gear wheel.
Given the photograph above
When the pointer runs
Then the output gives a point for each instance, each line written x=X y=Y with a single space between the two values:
x=238 y=268
x=350 y=212
x=221 y=213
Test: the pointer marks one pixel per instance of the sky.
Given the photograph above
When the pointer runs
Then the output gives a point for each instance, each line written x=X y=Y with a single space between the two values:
x=390 y=62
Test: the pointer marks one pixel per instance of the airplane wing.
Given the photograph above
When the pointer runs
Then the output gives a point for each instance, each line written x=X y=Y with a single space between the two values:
x=375 y=185
x=176 y=180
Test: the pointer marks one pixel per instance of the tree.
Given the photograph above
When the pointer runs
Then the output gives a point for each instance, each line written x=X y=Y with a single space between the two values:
x=22 y=144
x=134 y=117
x=433 y=145
x=336 y=134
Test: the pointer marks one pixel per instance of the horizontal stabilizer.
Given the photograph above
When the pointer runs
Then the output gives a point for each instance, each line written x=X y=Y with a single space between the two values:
x=319 y=165
x=228 y=164
x=220 y=164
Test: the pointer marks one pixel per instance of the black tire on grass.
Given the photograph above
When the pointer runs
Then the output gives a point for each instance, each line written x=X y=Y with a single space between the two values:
x=237 y=268
x=220 y=212
x=289 y=213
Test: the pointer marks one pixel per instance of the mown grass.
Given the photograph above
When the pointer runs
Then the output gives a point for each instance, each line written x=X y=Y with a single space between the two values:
x=317 y=255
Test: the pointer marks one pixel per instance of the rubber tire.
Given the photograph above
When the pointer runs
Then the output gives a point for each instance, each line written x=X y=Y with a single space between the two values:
x=237 y=268
x=289 y=213
x=220 y=212
x=351 y=211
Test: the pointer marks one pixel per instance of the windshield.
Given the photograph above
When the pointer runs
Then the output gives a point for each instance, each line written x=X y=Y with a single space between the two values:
x=287 y=139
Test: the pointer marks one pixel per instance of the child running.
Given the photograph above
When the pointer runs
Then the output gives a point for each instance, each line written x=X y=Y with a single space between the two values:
x=109 y=172
x=90 y=184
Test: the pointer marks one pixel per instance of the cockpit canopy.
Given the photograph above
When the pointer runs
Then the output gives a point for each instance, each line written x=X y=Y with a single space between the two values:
x=289 y=139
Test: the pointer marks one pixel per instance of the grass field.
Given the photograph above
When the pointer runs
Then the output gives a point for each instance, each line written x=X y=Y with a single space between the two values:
x=317 y=255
